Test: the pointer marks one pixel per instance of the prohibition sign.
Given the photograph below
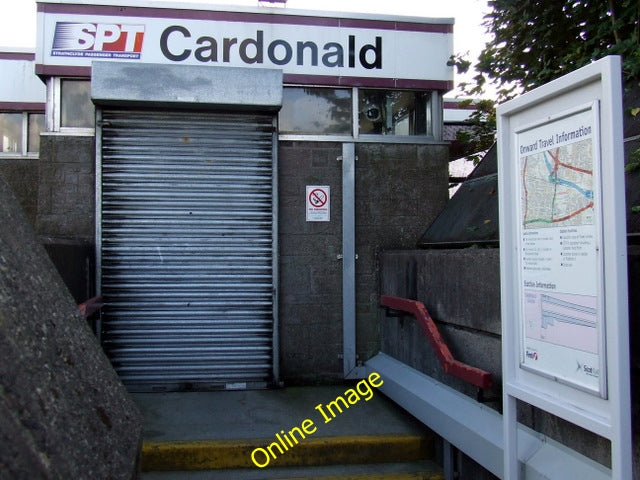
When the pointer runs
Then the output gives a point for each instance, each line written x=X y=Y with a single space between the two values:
x=318 y=198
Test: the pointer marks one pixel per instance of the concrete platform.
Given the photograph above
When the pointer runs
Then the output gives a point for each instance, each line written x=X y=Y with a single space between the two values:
x=212 y=434
x=227 y=415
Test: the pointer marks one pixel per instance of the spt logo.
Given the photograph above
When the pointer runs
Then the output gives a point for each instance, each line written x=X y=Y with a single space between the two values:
x=101 y=40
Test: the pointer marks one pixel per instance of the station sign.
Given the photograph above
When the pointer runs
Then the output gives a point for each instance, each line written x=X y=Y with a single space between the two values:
x=308 y=47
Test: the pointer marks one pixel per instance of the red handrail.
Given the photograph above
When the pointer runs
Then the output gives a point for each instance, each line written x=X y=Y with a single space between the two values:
x=475 y=376
x=90 y=306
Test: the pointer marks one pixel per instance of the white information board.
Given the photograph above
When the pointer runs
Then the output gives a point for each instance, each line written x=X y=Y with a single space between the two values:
x=565 y=343
x=558 y=189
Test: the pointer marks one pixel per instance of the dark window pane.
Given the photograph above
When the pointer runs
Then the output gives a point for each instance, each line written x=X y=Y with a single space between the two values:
x=394 y=112
x=76 y=107
x=316 y=111
x=36 y=126
x=11 y=132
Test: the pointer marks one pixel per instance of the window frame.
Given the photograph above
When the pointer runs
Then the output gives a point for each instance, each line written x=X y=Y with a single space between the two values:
x=435 y=136
x=28 y=132
x=53 y=119
x=24 y=141
x=339 y=135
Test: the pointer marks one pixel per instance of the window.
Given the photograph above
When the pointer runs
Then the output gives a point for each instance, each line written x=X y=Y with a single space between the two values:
x=76 y=109
x=20 y=133
x=69 y=106
x=11 y=132
x=370 y=115
x=394 y=112
x=316 y=111
x=35 y=126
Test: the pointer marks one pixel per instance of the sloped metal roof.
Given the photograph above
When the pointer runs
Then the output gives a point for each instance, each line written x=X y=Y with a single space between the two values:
x=471 y=215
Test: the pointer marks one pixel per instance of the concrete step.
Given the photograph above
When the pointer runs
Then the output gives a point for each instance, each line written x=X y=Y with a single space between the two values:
x=253 y=453
x=424 y=470
x=212 y=435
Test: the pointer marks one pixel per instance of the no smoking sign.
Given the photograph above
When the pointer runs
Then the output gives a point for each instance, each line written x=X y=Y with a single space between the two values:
x=317 y=201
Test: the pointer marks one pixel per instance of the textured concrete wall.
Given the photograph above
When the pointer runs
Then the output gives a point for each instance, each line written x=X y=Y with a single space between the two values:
x=57 y=194
x=399 y=190
x=65 y=218
x=63 y=411
x=461 y=290
x=22 y=176
x=66 y=189
x=310 y=271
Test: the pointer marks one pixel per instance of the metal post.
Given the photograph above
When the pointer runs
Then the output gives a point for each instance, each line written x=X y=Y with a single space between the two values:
x=348 y=259
x=448 y=460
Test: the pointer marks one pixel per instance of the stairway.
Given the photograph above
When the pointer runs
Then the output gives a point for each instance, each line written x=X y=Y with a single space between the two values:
x=249 y=435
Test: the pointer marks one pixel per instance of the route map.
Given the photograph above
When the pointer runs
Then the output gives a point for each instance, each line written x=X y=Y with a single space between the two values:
x=558 y=186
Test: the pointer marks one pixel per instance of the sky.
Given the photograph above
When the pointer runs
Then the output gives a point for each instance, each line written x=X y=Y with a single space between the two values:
x=18 y=22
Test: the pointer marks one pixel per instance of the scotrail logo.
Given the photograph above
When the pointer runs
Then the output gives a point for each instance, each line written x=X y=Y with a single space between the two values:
x=98 y=40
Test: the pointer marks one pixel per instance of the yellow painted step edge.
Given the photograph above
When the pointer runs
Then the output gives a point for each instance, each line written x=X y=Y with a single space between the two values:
x=218 y=454
x=382 y=476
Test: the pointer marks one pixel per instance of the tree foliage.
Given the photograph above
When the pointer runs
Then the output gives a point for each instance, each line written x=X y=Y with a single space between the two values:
x=535 y=41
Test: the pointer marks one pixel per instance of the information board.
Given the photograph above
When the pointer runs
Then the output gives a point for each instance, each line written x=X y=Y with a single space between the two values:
x=560 y=238
x=563 y=266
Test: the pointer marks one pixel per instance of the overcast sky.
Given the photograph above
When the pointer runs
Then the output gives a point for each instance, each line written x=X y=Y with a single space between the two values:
x=18 y=22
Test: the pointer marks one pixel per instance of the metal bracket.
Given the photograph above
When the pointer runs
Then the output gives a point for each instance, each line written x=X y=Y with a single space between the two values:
x=393 y=313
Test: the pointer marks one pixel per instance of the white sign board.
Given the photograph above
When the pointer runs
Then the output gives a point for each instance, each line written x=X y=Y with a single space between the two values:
x=559 y=235
x=310 y=48
x=563 y=257
x=318 y=203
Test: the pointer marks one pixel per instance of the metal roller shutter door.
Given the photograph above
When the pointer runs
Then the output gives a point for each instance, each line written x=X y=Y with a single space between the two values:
x=186 y=240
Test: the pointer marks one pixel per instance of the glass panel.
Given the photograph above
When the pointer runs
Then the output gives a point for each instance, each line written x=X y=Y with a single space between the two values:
x=316 y=111
x=11 y=132
x=76 y=107
x=394 y=112
x=36 y=126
